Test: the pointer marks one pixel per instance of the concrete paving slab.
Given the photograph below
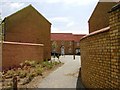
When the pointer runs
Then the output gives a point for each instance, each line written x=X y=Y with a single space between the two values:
x=65 y=76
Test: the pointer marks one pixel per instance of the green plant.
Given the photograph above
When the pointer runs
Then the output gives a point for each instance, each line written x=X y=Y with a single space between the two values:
x=27 y=62
x=30 y=76
x=38 y=62
x=9 y=84
x=10 y=74
x=33 y=63
x=47 y=64
x=39 y=71
x=55 y=63
x=22 y=73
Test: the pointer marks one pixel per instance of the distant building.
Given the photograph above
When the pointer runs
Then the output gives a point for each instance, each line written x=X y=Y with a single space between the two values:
x=100 y=17
x=69 y=41
x=27 y=26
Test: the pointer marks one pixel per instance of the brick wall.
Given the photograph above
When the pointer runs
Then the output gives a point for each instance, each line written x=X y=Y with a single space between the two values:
x=95 y=56
x=115 y=45
x=100 y=17
x=66 y=44
x=100 y=55
x=0 y=56
x=28 y=26
x=14 y=53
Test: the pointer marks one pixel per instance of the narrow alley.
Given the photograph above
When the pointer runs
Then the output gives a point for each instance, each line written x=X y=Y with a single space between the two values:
x=65 y=76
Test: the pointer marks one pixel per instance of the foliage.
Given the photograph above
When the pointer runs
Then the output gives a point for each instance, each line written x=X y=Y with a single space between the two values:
x=10 y=74
x=47 y=64
x=39 y=71
x=30 y=63
x=31 y=76
x=22 y=73
x=28 y=70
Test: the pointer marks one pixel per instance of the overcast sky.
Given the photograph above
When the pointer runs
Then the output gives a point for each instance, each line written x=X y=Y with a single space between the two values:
x=66 y=16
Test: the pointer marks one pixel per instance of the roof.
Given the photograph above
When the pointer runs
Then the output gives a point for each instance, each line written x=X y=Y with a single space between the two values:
x=66 y=37
x=29 y=6
x=62 y=36
x=77 y=37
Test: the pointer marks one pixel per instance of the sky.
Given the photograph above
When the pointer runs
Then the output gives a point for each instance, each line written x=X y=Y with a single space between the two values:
x=66 y=16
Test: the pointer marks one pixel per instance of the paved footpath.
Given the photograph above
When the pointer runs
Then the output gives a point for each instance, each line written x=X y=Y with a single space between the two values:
x=65 y=76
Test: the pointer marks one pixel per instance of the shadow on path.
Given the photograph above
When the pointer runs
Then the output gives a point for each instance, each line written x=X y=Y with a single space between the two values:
x=79 y=84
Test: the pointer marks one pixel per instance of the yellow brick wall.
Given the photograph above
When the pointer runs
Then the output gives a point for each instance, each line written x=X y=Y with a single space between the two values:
x=100 y=55
x=114 y=19
x=95 y=56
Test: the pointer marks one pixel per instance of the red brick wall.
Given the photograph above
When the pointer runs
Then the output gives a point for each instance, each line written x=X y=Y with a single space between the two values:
x=14 y=53
x=28 y=26
x=66 y=45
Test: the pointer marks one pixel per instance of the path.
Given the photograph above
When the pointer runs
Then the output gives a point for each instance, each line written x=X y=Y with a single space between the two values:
x=65 y=76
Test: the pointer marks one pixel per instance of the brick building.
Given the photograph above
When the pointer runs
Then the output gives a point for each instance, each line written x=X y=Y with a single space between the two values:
x=68 y=40
x=26 y=29
x=100 y=50
x=100 y=17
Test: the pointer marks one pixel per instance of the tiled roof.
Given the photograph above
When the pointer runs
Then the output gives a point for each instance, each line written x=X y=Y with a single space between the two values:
x=66 y=36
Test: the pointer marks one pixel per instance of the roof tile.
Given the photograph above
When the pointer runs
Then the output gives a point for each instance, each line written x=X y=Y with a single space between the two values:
x=66 y=36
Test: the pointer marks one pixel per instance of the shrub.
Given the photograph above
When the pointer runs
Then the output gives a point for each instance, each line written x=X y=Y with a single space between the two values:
x=10 y=74
x=22 y=73
x=47 y=64
x=9 y=84
x=55 y=63
x=30 y=76
x=31 y=63
x=44 y=64
x=39 y=71
x=27 y=62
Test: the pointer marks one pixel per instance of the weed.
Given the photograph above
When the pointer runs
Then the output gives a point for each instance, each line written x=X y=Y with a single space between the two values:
x=22 y=73
x=39 y=71
x=9 y=74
